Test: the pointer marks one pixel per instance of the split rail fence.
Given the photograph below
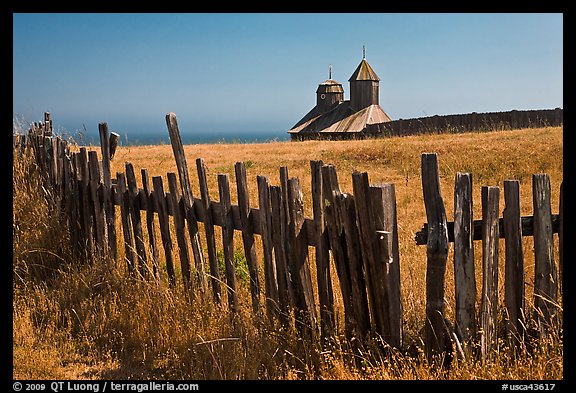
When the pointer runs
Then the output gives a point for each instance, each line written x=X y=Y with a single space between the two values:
x=358 y=232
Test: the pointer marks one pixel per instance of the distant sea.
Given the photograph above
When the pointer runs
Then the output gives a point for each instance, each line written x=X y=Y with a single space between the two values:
x=139 y=139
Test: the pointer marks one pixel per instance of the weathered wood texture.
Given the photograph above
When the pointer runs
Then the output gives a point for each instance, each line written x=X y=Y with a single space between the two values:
x=384 y=215
x=228 y=241
x=206 y=203
x=323 y=277
x=489 y=302
x=514 y=264
x=464 y=275
x=98 y=213
x=136 y=218
x=285 y=230
x=346 y=255
x=149 y=196
x=75 y=208
x=161 y=206
x=527 y=223
x=436 y=341
x=298 y=261
x=179 y=224
x=279 y=233
x=126 y=227
x=187 y=196
x=335 y=228
x=368 y=242
x=87 y=209
x=270 y=277
x=70 y=198
x=360 y=315
x=109 y=207
x=248 y=235
x=545 y=274
x=113 y=143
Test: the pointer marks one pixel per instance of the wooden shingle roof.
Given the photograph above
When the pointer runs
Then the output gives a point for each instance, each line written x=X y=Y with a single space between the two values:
x=341 y=119
x=364 y=73
x=330 y=86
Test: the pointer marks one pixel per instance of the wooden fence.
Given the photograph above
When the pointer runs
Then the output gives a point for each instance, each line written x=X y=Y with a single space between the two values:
x=358 y=232
x=436 y=124
x=437 y=233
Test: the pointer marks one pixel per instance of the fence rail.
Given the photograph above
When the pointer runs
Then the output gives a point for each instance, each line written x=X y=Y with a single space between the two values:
x=358 y=232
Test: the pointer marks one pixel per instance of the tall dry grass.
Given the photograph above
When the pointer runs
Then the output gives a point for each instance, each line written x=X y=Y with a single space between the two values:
x=93 y=321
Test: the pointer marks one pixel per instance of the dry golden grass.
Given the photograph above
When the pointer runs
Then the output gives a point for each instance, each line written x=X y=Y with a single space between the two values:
x=93 y=322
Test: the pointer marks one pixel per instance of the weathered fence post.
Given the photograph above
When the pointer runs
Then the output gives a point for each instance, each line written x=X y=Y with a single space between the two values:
x=514 y=264
x=134 y=208
x=86 y=202
x=374 y=269
x=545 y=275
x=464 y=275
x=54 y=164
x=489 y=303
x=49 y=169
x=436 y=340
x=39 y=150
x=162 y=208
x=209 y=229
x=360 y=316
x=47 y=124
x=334 y=218
x=62 y=160
x=70 y=194
x=325 y=295
x=298 y=261
x=228 y=241
x=383 y=198
x=109 y=206
x=60 y=147
x=335 y=227
x=279 y=233
x=248 y=234
x=113 y=143
x=187 y=197
x=76 y=208
x=149 y=195
x=270 y=276
x=285 y=230
x=94 y=185
x=126 y=228
x=178 y=214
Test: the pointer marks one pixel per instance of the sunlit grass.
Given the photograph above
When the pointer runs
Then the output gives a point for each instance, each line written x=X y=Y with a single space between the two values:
x=73 y=321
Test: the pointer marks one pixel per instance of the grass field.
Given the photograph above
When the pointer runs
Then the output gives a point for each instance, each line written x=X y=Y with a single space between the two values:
x=92 y=322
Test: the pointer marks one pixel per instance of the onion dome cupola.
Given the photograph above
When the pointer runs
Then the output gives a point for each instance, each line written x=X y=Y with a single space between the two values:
x=328 y=94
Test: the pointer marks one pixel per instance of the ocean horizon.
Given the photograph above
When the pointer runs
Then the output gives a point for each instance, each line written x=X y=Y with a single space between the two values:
x=163 y=138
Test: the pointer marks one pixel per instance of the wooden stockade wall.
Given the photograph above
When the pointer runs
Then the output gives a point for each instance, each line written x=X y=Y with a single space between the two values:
x=358 y=231
x=437 y=124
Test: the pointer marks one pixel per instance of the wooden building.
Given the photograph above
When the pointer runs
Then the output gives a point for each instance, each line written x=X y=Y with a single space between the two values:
x=336 y=118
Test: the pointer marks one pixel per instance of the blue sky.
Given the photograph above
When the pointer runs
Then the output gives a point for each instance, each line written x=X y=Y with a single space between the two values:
x=243 y=73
